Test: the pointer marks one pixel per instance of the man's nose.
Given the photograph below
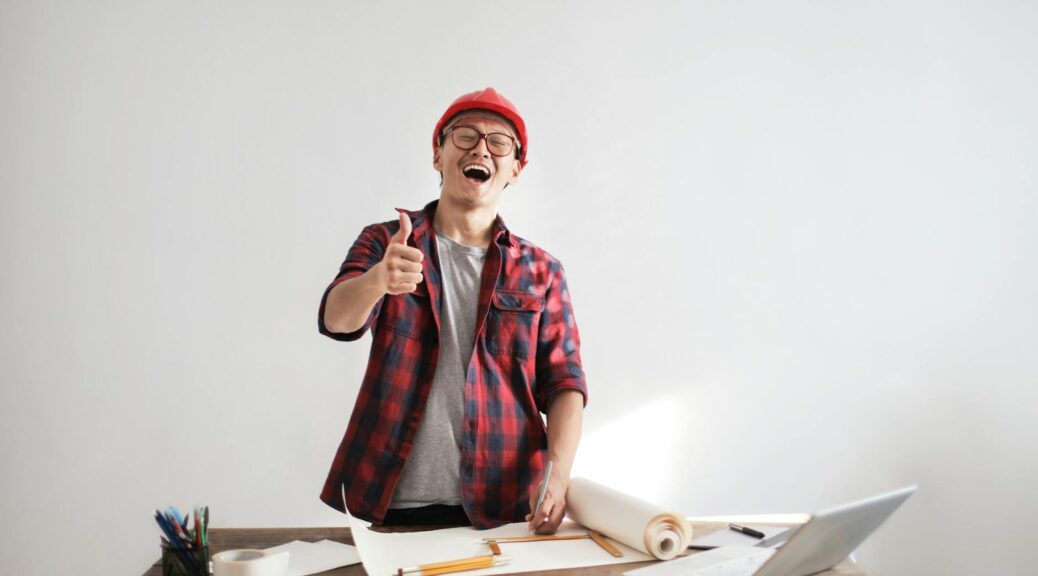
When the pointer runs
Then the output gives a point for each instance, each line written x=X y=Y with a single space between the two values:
x=480 y=149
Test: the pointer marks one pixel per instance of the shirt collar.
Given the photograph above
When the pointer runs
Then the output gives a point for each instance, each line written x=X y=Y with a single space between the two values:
x=422 y=223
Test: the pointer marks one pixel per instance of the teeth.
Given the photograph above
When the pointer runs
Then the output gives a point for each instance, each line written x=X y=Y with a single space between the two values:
x=479 y=167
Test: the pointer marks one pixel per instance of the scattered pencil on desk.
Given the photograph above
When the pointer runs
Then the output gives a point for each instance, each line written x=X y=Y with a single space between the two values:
x=474 y=563
x=538 y=538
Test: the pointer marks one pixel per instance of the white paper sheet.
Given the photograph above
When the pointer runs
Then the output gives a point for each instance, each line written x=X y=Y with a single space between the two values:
x=312 y=557
x=727 y=537
x=383 y=553
x=726 y=561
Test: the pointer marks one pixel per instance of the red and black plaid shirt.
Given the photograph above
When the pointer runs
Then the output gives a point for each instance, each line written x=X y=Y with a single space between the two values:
x=527 y=349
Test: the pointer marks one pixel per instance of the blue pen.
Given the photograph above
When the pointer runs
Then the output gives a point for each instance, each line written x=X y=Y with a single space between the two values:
x=176 y=515
x=177 y=529
x=171 y=535
x=171 y=522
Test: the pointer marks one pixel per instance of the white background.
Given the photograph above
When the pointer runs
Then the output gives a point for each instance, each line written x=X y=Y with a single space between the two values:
x=800 y=239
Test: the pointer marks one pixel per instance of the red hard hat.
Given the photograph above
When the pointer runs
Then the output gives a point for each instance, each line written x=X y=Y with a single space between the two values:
x=487 y=99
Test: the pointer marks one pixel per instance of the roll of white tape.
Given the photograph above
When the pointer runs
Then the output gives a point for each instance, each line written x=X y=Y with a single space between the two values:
x=250 y=563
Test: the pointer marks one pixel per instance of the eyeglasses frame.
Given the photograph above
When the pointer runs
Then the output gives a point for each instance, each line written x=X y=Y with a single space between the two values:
x=516 y=146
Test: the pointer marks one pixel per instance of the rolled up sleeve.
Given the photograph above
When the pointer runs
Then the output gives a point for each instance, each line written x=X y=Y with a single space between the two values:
x=558 y=345
x=366 y=252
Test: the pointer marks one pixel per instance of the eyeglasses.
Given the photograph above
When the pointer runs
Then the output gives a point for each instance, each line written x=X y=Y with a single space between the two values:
x=467 y=138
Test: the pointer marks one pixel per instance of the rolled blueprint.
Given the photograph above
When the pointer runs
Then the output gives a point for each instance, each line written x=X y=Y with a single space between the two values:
x=637 y=523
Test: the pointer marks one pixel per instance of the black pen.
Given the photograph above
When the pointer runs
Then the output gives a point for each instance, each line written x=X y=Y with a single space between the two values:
x=746 y=531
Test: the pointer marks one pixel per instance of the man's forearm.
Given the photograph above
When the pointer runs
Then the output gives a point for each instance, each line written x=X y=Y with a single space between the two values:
x=349 y=304
x=565 y=418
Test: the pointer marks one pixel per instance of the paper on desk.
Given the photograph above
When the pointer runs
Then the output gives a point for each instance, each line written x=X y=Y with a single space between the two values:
x=726 y=561
x=727 y=537
x=313 y=557
x=383 y=553
x=636 y=523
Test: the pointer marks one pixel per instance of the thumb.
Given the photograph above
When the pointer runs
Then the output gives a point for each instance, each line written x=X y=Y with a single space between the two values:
x=404 y=232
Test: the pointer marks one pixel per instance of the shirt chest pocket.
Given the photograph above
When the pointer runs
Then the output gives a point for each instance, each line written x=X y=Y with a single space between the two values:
x=407 y=314
x=512 y=322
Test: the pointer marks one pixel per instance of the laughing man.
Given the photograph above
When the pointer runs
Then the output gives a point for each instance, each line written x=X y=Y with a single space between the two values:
x=473 y=338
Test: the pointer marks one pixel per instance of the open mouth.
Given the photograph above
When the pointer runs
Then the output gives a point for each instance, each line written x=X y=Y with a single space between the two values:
x=476 y=172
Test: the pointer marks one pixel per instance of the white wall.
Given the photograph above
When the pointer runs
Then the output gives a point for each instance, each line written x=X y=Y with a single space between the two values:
x=800 y=240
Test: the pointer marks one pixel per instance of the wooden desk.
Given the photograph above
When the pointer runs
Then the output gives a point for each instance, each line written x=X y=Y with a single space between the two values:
x=221 y=539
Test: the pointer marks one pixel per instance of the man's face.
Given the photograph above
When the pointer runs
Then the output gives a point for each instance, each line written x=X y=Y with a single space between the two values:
x=475 y=178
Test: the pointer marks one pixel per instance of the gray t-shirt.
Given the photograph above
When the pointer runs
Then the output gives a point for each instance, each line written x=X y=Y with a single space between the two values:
x=431 y=472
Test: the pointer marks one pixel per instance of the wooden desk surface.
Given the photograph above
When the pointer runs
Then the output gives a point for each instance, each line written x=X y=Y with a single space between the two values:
x=221 y=539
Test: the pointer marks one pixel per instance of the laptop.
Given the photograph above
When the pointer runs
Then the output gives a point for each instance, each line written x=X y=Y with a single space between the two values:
x=821 y=543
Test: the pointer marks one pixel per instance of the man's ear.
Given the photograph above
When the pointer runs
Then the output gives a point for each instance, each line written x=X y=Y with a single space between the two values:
x=517 y=167
x=436 y=160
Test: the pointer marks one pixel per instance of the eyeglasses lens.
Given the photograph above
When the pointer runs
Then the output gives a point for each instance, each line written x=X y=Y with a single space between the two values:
x=467 y=138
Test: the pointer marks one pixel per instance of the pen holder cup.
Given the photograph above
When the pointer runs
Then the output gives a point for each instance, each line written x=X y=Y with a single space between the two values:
x=185 y=561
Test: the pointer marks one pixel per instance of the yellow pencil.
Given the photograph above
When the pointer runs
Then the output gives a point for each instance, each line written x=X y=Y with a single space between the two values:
x=538 y=538
x=449 y=566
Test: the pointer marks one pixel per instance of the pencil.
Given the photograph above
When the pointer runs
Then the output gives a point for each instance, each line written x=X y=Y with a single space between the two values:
x=543 y=490
x=460 y=565
x=538 y=538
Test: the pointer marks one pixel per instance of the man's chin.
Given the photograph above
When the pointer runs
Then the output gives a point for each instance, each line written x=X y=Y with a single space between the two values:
x=471 y=196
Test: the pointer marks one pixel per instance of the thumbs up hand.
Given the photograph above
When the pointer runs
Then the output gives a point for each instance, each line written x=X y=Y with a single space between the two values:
x=404 y=232
x=401 y=266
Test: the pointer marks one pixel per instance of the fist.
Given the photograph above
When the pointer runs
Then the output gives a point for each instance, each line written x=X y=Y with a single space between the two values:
x=547 y=518
x=402 y=264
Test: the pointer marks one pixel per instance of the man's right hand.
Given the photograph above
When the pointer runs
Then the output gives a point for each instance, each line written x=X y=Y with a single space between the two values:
x=400 y=270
